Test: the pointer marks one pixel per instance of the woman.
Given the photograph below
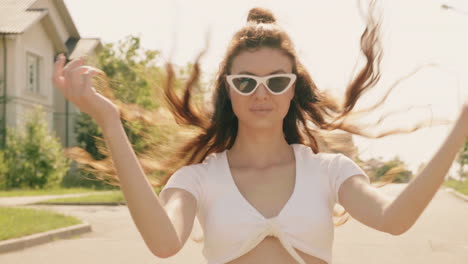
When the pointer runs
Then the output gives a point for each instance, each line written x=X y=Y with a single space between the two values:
x=253 y=175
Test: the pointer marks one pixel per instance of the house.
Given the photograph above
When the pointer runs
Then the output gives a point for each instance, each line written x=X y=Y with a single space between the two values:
x=32 y=34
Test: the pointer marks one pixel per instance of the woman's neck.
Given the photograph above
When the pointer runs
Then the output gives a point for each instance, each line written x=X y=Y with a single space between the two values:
x=260 y=148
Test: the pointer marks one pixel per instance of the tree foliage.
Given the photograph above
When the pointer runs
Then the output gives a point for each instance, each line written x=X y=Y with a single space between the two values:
x=135 y=76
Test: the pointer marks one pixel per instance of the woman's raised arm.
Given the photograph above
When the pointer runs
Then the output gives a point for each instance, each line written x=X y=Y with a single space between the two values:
x=147 y=211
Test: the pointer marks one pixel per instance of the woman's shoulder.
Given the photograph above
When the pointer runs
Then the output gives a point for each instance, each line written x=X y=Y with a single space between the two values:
x=305 y=150
x=210 y=162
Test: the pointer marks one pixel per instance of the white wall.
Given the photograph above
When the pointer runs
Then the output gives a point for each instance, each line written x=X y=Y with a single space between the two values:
x=35 y=41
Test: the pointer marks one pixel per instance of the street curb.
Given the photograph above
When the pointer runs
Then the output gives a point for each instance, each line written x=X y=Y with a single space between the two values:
x=44 y=237
x=457 y=194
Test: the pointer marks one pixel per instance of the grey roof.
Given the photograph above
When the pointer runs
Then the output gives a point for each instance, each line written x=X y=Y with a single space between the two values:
x=15 y=17
x=18 y=4
x=84 y=47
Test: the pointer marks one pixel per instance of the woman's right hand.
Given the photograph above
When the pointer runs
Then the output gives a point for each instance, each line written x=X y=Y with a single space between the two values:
x=74 y=81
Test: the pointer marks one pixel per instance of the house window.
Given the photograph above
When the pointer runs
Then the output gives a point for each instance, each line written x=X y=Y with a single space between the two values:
x=33 y=72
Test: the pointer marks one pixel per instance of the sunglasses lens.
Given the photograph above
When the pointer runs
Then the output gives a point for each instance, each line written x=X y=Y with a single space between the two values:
x=278 y=84
x=244 y=84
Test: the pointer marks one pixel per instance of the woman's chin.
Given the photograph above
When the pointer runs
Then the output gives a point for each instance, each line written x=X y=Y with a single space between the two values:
x=261 y=124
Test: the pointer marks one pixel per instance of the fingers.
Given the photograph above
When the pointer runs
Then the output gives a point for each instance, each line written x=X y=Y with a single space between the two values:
x=77 y=79
x=69 y=80
x=73 y=64
x=88 y=76
x=58 y=65
x=57 y=76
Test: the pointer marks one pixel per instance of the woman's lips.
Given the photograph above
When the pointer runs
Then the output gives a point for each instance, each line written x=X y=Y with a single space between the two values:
x=261 y=110
x=260 y=107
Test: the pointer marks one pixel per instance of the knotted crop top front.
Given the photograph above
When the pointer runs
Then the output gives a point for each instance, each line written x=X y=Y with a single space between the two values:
x=232 y=226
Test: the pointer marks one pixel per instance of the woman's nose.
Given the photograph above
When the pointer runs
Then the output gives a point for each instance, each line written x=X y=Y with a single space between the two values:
x=261 y=91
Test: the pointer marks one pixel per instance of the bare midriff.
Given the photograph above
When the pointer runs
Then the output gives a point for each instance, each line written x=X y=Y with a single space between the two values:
x=271 y=251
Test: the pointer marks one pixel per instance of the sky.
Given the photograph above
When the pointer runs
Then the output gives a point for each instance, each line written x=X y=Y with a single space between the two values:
x=415 y=33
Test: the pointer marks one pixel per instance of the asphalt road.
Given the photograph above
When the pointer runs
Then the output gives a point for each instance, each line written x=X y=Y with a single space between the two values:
x=439 y=236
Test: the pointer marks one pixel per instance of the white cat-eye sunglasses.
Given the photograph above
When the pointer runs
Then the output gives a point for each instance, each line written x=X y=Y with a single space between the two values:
x=247 y=84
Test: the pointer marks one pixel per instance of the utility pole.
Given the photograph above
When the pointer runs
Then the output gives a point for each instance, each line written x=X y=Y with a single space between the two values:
x=4 y=97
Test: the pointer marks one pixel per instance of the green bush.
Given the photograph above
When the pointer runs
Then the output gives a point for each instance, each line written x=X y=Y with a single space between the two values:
x=3 y=170
x=34 y=157
x=403 y=176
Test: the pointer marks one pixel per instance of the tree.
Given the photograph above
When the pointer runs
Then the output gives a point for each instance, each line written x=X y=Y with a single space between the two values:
x=134 y=75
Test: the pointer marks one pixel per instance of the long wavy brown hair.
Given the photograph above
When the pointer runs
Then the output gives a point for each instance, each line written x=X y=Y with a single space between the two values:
x=203 y=130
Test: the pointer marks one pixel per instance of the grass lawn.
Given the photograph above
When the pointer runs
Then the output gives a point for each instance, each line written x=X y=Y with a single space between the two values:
x=111 y=197
x=22 y=192
x=56 y=191
x=457 y=185
x=108 y=197
x=19 y=222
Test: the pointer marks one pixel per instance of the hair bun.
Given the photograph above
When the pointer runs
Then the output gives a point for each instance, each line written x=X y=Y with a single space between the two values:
x=261 y=15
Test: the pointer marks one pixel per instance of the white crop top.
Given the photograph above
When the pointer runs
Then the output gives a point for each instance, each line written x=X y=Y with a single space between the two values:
x=232 y=226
